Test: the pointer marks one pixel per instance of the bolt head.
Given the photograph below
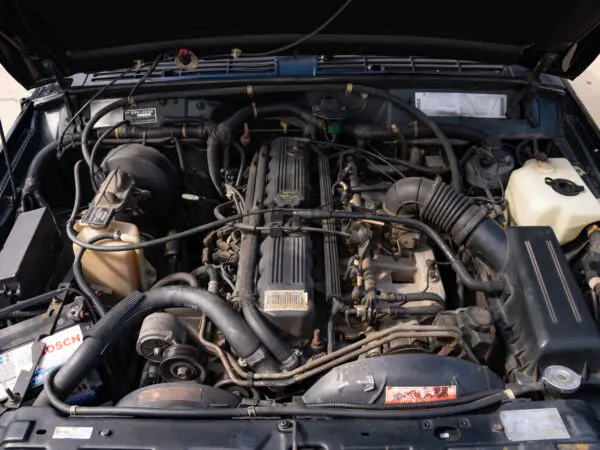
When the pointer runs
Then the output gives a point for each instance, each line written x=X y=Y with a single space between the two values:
x=183 y=372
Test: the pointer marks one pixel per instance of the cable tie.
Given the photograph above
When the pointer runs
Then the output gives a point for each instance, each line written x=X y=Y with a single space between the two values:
x=394 y=128
x=251 y=411
x=349 y=87
x=249 y=90
x=254 y=110
x=73 y=410
x=184 y=131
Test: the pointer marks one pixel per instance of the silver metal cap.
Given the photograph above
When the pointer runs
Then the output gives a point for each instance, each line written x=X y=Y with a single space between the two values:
x=561 y=379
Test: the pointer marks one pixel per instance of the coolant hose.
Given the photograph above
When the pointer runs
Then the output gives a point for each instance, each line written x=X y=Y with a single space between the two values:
x=441 y=205
x=213 y=277
x=137 y=306
x=249 y=248
x=34 y=172
x=82 y=283
x=177 y=277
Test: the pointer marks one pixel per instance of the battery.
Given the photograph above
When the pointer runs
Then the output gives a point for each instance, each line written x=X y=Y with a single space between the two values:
x=58 y=347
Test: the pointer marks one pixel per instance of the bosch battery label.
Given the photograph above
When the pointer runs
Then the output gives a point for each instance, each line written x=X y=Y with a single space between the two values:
x=57 y=349
x=395 y=395
x=140 y=115
x=286 y=301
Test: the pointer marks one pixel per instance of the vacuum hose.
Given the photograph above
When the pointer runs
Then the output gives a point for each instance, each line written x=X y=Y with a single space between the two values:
x=439 y=204
x=137 y=306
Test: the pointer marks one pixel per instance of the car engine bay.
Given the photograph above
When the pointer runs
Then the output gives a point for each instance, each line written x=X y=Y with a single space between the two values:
x=316 y=247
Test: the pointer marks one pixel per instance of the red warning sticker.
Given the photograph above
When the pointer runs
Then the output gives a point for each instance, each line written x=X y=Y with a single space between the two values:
x=418 y=394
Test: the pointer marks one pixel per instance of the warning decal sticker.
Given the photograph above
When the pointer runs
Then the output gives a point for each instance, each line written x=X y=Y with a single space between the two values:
x=418 y=394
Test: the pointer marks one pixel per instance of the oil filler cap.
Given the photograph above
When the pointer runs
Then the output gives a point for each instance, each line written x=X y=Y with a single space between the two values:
x=561 y=379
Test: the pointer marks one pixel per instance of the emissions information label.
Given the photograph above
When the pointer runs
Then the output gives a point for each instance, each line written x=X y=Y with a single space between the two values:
x=456 y=104
x=395 y=395
x=286 y=301
x=140 y=115
x=58 y=348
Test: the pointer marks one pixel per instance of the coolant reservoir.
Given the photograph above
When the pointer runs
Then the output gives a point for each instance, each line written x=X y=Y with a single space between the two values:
x=533 y=201
x=117 y=273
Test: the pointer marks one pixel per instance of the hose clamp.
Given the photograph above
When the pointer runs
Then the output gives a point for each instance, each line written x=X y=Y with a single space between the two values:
x=256 y=357
x=291 y=362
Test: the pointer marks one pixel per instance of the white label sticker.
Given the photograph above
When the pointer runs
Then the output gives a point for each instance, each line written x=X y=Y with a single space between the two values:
x=73 y=432
x=456 y=104
x=533 y=425
x=113 y=117
x=286 y=301
x=58 y=348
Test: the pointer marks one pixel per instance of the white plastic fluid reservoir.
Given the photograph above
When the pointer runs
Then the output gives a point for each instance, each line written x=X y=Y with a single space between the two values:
x=118 y=273
x=533 y=201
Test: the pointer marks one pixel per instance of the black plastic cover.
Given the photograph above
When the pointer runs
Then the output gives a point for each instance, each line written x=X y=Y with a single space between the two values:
x=545 y=320
x=376 y=380
x=180 y=396
x=285 y=285
x=28 y=256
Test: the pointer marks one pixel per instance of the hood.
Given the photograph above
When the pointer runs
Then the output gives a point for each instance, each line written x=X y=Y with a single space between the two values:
x=40 y=39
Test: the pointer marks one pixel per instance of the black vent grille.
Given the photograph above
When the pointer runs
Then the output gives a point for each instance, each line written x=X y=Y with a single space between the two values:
x=168 y=71
x=361 y=64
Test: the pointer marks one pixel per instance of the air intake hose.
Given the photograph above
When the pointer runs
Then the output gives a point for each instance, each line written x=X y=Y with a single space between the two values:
x=440 y=205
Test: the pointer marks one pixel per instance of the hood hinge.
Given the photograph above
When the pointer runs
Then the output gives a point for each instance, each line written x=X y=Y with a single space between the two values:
x=545 y=63
x=50 y=67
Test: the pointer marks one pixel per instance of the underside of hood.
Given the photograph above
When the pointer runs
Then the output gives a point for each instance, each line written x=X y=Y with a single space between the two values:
x=40 y=39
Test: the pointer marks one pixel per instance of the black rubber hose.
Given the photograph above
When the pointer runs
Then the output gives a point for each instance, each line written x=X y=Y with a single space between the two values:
x=440 y=205
x=93 y=168
x=34 y=172
x=212 y=274
x=111 y=327
x=218 y=210
x=177 y=277
x=414 y=131
x=214 y=160
x=411 y=297
x=34 y=301
x=242 y=154
x=82 y=283
x=455 y=262
x=280 y=411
